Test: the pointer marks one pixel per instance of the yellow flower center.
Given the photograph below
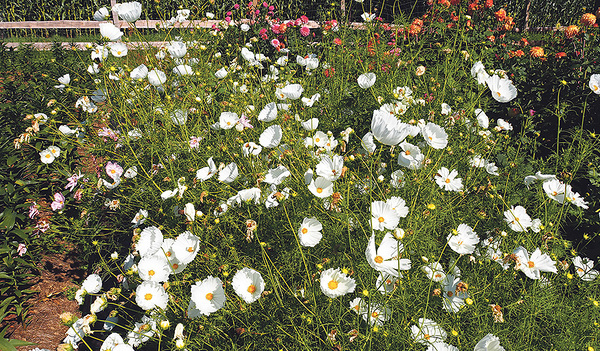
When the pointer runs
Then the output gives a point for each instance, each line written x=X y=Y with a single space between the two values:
x=447 y=180
x=304 y=230
x=251 y=289
x=209 y=296
x=190 y=249
x=317 y=140
x=151 y=272
x=148 y=296
x=48 y=155
x=531 y=264
x=374 y=314
x=427 y=336
x=332 y=285
x=407 y=152
x=319 y=190
x=175 y=266
x=381 y=219
x=450 y=293
x=378 y=259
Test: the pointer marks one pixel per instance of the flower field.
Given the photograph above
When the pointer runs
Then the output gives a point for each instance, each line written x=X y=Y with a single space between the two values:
x=427 y=184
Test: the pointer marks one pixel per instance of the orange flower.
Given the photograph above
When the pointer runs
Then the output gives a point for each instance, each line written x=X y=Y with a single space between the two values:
x=445 y=3
x=537 y=52
x=508 y=23
x=337 y=41
x=560 y=54
x=588 y=19
x=518 y=53
x=524 y=42
x=500 y=15
x=489 y=4
x=571 y=31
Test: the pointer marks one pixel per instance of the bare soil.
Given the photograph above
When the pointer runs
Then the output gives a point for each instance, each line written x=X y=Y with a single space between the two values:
x=43 y=325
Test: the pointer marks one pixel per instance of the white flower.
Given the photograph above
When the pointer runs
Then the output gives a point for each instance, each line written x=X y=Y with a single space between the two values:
x=268 y=113
x=330 y=169
x=463 y=240
x=92 y=284
x=446 y=109
x=555 y=189
x=277 y=175
x=502 y=89
x=478 y=72
x=248 y=284
x=149 y=295
x=366 y=80
x=310 y=124
x=309 y=233
x=321 y=187
x=47 y=156
x=427 y=332
x=595 y=83
x=398 y=205
x=228 y=120
x=128 y=11
x=386 y=258
x=111 y=342
x=229 y=173
x=101 y=14
x=334 y=283
x=131 y=172
x=222 y=73
x=435 y=136
x=447 y=180
x=584 y=268
x=367 y=17
x=157 y=78
x=503 y=125
x=86 y=105
x=140 y=72
x=533 y=265
x=271 y=137
x=383 y=216
x=434 y=271
x=376 y=313
x=100 y=52
x=368 y=143
x=411 y=157
x=244 y=196
x=207 y=172
x=118 y=49
x=210 y=15
x=490 y=342
x=110 y=31
x=453 y=299
x=154 y=268
x=387 y=129
x=517 y=219
x=177 y=49
x=292 y=91
x=207 y=296
x=251 y=149
x=482 y=119
x=186 y=247
x=397 y=179
x=183 y=70
x=150 y=241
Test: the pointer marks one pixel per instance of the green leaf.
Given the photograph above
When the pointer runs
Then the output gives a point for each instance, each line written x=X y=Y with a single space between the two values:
x=9 y=219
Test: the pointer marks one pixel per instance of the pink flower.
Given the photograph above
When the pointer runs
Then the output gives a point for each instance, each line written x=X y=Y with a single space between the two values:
x=236 y=6
x=276 y=44
x=58 y=203
x=195 y=142
x=265 y=4
x=114 y=170
x=43 y=225
x=304 y=31
x=107 y=132
x=271 y=8
x=275 y=29
x=227 y=19
x=304 y=19
x=73 y=181
x=33 y=210
x=262 y=31
x=78 y=194
x=244 y=121
x=22 y=249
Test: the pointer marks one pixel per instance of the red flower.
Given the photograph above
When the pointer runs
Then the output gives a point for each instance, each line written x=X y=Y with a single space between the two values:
x=500 y=15
x=337 y=41
x=560 y=54
x=329 y=72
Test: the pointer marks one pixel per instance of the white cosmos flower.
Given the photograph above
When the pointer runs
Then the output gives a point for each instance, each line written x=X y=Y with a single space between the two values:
x=387 y=129
x=427 y=332
x=113 y=339
x=310 y=124
x=251 y=148
x=446 y=109
x=555 y=189
x=367 y=17
x=434 y=271
x=368 y=143
x=435 y=136
x=186 y=247
x=330 y=169
x=398 y=205
x=584 y=268
x=248 y=284
x=157 y=77
x=447 y=180
x=154 y=268
x=183 y=70
x=595 y=83
x=366 y=80
x=207 y=296
x=140 y=72
x=397 y=179
x=229 y=173
x=207 y=172
x=101 y=14
x=92 y=284
x=47 y=156
x=376 y=313
x=228 y=120
x=277 y=175
x=453 y=299
x=490 y=342
x=334 y=283
x=118 y=49
x=478 y=72
x=386 y=258
x=517 y=219
x=309 y=233
x=463 y=240
x=533 y=265
x=151 y=239
x=268 y=113
x=271 y=137
x=411 y=157
x=503 y=125
x=245 y=195
x=110 y=31
x=222 y=73
x=502 y=89
x=128 y=11
x=321 y=187
x=309 y=102
x=482 y=119
x=177 y=49
x=383 y=216
x=292 y=91
x=149 y=295
x=386 y=283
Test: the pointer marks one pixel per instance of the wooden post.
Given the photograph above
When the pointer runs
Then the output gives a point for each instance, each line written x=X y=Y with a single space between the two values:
x=114 y=13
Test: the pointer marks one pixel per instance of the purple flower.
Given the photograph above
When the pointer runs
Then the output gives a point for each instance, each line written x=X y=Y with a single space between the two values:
x=73 y=181
x=33 y=210
x=58 y=203
x=114 y=171
x=22 y=249
x=244 y=121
